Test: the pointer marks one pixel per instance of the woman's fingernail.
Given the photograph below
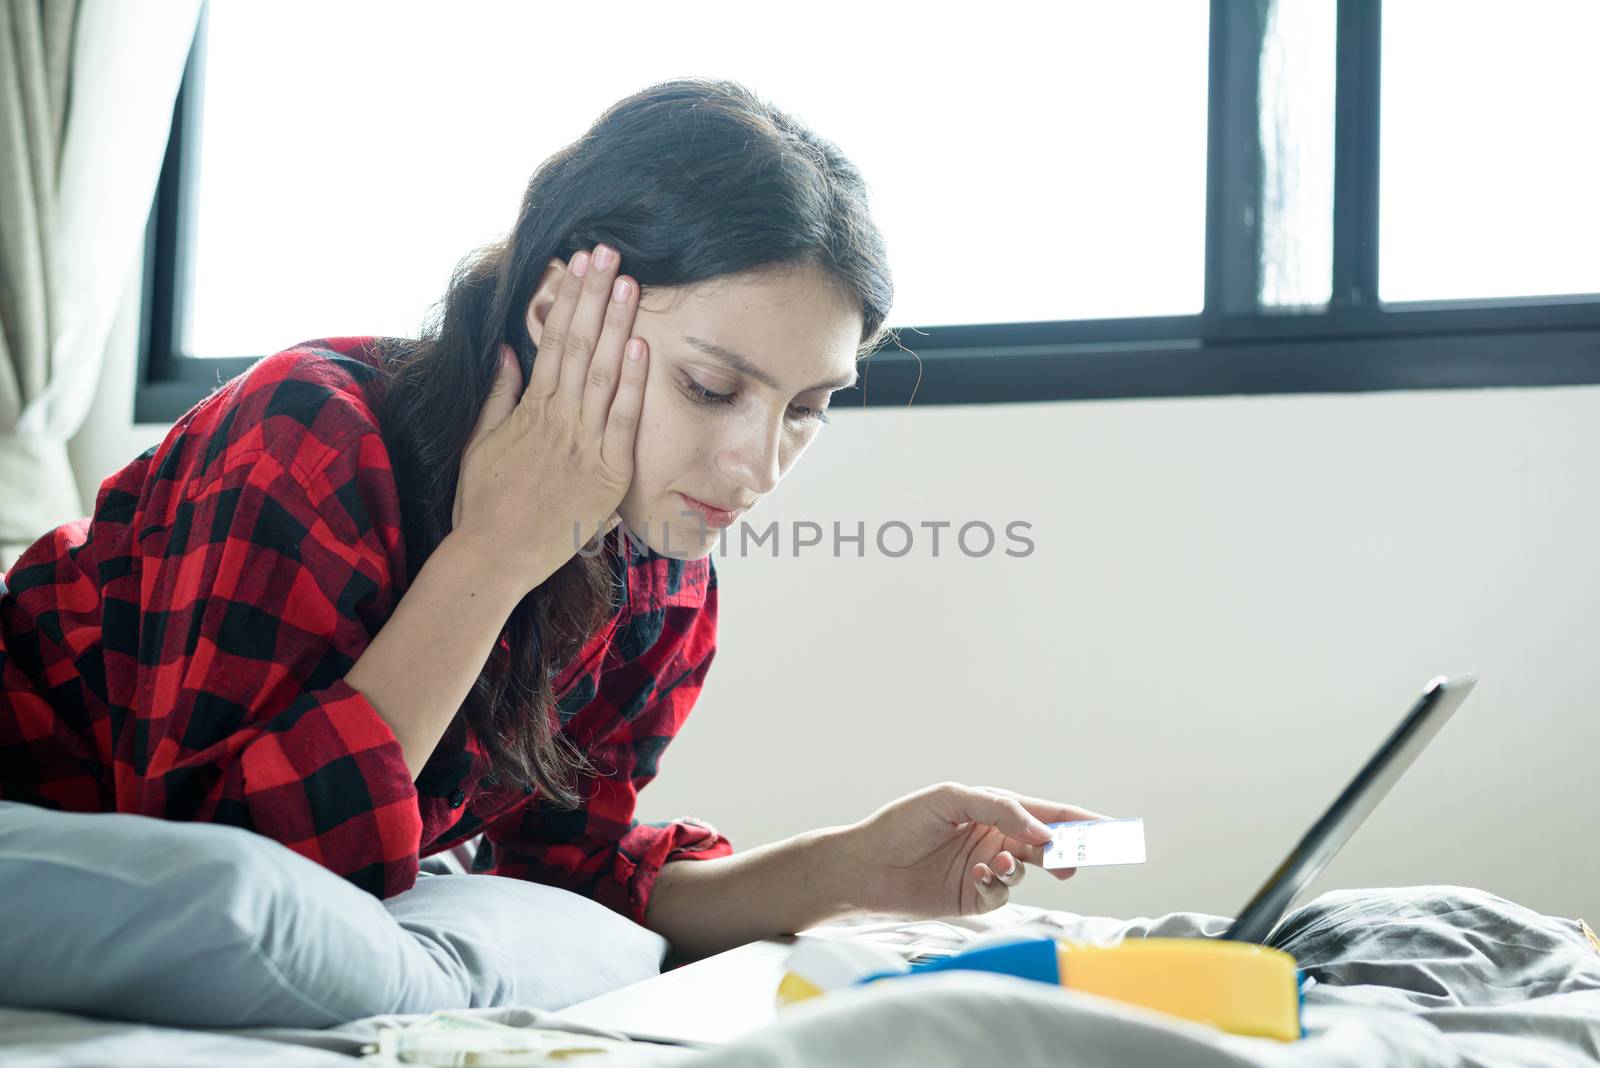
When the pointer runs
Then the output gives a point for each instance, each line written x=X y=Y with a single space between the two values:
x=987 y=880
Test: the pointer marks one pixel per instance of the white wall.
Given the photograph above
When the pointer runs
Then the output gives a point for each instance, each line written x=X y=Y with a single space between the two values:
x=1230 y=602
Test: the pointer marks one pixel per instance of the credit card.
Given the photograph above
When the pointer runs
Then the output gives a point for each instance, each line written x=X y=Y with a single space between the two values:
x=1087 y=843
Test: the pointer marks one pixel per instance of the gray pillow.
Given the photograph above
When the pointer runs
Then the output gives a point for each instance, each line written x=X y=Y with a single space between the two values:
x=203 y=925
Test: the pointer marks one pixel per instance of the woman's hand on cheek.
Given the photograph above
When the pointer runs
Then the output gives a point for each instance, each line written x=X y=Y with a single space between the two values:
x=948 y=850
x=546 y=467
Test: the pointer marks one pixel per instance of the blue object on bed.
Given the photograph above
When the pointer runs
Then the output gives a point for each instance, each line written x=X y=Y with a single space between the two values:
x=203 y=925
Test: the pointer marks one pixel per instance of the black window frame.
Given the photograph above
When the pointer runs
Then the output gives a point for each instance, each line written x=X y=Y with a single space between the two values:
x=1232 y=347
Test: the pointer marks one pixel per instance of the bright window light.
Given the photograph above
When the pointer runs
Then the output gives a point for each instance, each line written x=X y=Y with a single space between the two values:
x=1039 y=163
x=1489 y=157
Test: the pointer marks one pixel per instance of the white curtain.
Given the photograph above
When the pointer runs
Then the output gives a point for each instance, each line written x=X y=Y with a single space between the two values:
x=83 y=123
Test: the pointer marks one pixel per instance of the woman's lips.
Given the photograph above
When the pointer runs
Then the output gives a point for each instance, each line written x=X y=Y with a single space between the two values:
x=715 y=517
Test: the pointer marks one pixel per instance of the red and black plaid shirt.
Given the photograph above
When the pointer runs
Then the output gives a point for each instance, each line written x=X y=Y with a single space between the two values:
x=182 y=654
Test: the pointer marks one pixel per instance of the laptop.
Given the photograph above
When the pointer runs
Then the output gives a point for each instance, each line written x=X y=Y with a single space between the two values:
x=719 y=999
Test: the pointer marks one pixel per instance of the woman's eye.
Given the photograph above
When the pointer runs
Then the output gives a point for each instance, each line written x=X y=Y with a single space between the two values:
x=702 y=393
x=797 y=412
x=819 y=415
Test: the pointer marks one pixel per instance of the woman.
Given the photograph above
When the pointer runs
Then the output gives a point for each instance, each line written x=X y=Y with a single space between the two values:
x=347 y=602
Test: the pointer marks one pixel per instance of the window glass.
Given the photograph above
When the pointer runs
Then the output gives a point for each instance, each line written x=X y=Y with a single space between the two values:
x=1039 y=167
x=1489 y=156
x=1297 y=108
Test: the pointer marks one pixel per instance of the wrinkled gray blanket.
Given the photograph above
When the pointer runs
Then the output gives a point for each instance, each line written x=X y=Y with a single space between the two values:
x=1424 y=977
x=1498 y=983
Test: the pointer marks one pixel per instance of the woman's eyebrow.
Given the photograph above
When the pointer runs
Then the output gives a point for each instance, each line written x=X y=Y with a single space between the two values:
x=745 y=367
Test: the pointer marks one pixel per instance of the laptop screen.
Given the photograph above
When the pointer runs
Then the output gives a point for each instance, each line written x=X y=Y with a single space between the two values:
x=1329 y=834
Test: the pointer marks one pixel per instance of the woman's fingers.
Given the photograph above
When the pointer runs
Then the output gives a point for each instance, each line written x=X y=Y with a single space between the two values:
x=608 y=356
x=581 y=360
x=984 y=806
x=1034 y=854
x=553 y=335
x=1008 y=869
x=1029 y=849
x=1048 y=811
x=582 y=339
x=622 y=423
x=992 y=892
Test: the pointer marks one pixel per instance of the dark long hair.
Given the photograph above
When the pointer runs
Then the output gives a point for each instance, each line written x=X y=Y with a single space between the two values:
x=689 y=180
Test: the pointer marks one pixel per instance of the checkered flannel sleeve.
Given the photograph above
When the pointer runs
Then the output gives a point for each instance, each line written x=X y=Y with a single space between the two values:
x=276 y=572
x=600 y=849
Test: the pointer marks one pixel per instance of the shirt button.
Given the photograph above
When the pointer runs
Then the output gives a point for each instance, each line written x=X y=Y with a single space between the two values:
x=458 y=799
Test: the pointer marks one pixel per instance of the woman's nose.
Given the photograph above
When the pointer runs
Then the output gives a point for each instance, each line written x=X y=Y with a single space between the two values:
x=755 y=458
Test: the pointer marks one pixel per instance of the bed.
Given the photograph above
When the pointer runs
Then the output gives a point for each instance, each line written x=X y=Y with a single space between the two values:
x=1415 y=976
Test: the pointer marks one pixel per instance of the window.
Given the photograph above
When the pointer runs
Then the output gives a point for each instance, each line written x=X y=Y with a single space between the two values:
x=1488 y=186
x=1198 y=193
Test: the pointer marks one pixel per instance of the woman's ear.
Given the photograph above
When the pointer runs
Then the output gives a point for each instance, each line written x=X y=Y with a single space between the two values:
x=544 y=297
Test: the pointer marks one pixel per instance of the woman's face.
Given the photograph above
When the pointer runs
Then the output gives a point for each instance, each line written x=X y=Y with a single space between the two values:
x=738 y=369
